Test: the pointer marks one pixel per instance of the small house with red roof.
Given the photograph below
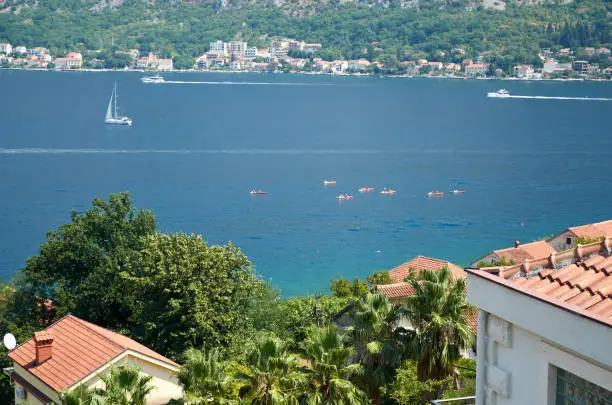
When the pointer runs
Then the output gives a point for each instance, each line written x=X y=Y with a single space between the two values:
x=567 y=239
x=72 y=352
x=517 y=254
x=399 y=290
x=545 y=328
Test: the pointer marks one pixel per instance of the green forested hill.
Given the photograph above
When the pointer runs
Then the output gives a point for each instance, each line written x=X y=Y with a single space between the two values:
x=397 y=32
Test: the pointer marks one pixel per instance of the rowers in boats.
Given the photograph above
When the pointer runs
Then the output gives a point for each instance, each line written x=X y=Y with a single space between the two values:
x=455 y=191
x=435 y=194
x=329 y=182
x=388 y=191
x=344 y=197
x=258 y=192
x=366 y=189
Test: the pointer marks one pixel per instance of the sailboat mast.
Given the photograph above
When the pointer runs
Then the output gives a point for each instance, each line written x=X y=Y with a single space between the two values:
x=115 y=115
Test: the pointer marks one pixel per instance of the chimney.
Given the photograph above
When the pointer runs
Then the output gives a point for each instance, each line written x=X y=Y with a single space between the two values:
x=44 y=346
x=517 y=244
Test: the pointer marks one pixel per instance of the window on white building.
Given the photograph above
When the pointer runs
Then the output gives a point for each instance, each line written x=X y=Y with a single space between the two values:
x=573 y=390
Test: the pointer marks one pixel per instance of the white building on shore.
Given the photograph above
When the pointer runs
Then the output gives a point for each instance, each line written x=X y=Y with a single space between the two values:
x=6 y=48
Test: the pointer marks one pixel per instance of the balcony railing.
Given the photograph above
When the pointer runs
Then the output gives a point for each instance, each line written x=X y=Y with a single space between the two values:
x=455 y=401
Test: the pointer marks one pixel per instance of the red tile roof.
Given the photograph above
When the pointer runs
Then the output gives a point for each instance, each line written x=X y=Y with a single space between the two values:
x=531 y=251
x=396 y=290
x=399 y=273
x=582 y=284
x=399 y=291
x=595 y=230
x=79 y=349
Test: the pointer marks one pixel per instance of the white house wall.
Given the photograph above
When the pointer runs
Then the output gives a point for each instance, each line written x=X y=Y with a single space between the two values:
x=525 y=337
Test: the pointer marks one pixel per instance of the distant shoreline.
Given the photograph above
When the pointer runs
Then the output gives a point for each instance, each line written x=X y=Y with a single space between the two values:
x=312 y=74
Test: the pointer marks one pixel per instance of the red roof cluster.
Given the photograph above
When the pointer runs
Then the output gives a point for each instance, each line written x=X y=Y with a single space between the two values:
x=579 y=280
x=79 y=349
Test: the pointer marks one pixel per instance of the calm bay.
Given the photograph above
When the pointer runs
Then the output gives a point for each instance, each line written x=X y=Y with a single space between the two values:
x=530 y=167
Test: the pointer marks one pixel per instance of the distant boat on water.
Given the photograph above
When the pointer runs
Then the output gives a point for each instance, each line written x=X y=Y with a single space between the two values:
x=435 y=194
x=258 y=192
x=344 y=197
x=153 y=79
x=456 y=191
x=366 y=189
x=501 y=93
x=329 y=182
x=388 y=191
x=112 y=117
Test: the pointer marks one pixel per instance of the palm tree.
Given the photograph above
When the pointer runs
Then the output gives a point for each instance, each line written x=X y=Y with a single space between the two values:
x=82 y=395
x=203 y=377
x=331 y=369
x=125 y=385
x=378 y=342
x=273 y=375
x=437 y=312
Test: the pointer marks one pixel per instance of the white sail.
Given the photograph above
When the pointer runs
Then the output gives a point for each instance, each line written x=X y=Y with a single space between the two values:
x=109 y=111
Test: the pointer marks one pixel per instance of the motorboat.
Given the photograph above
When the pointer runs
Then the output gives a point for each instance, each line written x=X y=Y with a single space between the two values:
x=455 y=191
x=344 y=197
x=112 y=117
x=366 y=189
x=435 y=194
x=153 y=79
x=329 y=182
x=388 y=191
x=501 y=93
x=257 y=192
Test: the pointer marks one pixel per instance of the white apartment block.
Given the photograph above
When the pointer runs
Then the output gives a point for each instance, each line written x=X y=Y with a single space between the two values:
x=218 y=47
x=250 y=52
x=236 y=49
x=6 y=48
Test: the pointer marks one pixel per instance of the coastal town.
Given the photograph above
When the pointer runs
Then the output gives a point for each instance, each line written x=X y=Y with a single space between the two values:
x=287 y=55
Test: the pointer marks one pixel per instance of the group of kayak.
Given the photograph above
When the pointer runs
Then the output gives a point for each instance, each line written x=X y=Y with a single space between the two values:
x=385 y=191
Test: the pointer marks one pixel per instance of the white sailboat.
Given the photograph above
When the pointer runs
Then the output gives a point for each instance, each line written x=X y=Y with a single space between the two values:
x=111 y=112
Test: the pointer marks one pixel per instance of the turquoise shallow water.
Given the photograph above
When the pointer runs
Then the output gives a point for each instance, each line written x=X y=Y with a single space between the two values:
x=530 y=167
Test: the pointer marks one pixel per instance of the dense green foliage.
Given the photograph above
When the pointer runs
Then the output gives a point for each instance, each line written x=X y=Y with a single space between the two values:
x=184 y=29
x=238 y=340
x=438 y=314
x=331 y=369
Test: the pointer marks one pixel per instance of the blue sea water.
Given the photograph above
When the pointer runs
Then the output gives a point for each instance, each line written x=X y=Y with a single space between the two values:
x=530 y=167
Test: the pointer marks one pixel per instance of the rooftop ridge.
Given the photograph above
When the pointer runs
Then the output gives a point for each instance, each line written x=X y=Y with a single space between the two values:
x=559 y=260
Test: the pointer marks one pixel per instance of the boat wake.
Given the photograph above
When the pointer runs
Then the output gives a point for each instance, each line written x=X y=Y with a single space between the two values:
x=249 y=83
x=561 y=98
x=75 y=151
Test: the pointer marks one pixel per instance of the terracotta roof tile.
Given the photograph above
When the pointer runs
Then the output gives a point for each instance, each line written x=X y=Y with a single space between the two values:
x=586 y=285
x=585 y=299
x=79 y=349
x=399 y=273
x=396 y=290
x=594 y=261
x=531 y=251
x=602 y=287
x=472 y=321
x=603 y=308
x=593 y=230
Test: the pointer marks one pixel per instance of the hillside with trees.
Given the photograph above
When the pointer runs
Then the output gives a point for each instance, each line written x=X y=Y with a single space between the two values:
x=389 y=34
